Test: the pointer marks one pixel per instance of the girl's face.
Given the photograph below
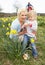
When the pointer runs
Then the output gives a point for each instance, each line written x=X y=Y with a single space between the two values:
x=31 y=18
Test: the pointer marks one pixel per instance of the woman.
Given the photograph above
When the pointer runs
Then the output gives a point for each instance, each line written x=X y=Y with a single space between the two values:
x=18 y=22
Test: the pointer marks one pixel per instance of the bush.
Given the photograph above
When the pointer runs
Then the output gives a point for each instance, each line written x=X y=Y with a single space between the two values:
x=41 y=23
x=41 y=20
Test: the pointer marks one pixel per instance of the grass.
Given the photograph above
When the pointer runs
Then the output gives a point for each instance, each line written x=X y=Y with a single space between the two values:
x=13 y=58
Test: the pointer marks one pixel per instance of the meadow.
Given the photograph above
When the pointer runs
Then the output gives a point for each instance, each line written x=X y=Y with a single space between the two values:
x=10 y=53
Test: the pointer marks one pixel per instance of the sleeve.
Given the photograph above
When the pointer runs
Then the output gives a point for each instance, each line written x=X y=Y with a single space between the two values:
x=14 y=26
x=14 y=30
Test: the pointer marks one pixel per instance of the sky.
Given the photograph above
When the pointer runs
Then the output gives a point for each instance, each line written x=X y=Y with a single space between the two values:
x=8 y=6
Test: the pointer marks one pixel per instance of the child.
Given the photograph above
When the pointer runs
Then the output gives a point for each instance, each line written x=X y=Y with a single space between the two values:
x=31 y=26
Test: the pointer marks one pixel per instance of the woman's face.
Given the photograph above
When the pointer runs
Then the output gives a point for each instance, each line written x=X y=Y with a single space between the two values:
x=22 y=16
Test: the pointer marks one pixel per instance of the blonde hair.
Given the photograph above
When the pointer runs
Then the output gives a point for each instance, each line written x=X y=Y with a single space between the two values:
x=33 y=14
x=20 y=11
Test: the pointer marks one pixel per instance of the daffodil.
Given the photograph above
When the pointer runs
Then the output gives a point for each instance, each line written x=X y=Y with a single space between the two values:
x=9 y=24
x=3 y=26
x=7 y=28
x=32 y=40
x=13 y=32
x=2 y=19
x=6 y=19
x=7 y=33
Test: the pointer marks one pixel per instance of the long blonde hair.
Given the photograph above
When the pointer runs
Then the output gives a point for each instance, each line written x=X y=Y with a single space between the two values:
x=20 y=11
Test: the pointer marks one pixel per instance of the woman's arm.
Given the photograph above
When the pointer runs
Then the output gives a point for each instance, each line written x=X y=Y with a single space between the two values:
x=23 y=31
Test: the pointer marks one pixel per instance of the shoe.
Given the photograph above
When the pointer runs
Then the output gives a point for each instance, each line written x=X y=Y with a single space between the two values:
x=35 y=57
x=25 y=56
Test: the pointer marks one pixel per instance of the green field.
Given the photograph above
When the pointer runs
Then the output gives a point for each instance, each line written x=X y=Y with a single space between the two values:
x=10 y=54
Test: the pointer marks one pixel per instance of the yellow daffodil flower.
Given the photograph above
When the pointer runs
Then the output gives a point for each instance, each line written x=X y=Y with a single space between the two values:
x=32 y=40
x=7 y=28
x=8 y=24
x=7 y=33
x=3 y=26
x=13 y=32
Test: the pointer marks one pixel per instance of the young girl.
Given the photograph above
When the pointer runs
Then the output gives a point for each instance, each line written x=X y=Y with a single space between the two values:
x=31 y=26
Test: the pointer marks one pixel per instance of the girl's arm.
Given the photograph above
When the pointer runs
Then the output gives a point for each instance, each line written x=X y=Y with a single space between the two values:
x=25 y=25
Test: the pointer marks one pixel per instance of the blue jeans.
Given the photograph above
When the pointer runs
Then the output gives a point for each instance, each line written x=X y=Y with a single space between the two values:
x=25 y=42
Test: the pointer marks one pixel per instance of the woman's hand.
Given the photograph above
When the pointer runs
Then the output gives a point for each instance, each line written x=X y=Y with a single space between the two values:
x=23 y=31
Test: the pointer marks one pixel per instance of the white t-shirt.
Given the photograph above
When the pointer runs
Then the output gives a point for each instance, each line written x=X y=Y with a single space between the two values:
x=32 y=28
